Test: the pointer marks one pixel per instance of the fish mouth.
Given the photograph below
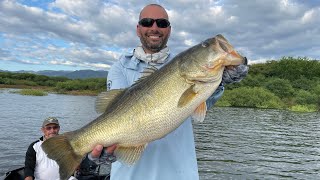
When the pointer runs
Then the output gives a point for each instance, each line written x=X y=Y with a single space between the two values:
x=228 y=59
x=234 y=59
x=209 y=68
x=245 y=61
x=230 y=56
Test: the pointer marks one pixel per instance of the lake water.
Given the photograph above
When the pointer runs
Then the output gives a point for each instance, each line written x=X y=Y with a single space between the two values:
x=232 y=143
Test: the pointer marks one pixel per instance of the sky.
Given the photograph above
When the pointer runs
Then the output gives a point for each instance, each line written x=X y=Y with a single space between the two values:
x=92 y=34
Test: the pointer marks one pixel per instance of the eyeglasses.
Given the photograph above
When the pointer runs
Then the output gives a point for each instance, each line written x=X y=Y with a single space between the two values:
x=148 y=22
x=48 y=128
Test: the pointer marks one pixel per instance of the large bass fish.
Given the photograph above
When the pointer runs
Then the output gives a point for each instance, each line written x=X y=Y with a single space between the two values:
x=150 y=109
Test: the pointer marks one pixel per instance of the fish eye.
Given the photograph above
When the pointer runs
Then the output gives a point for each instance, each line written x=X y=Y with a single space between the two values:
x=204 y=44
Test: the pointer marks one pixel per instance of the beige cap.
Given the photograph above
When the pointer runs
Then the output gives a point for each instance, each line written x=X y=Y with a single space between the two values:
x=50 y=120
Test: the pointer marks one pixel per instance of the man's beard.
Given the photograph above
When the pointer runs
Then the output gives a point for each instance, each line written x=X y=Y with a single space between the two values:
x=153 y=47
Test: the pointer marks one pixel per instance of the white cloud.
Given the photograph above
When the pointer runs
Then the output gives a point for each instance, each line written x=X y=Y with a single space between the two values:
x=93 y=33
x=311 y=16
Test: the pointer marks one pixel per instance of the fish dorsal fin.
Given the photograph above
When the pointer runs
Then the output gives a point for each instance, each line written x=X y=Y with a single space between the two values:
x=107 y=98
x=200 y=113
x=145 y=73
x=187 y=96
x=129 y=154
x=149 y=70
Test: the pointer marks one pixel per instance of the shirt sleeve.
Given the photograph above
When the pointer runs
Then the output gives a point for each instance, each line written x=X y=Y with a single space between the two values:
x=30 y=161
x=215 y=96
x=230 y=75
x=87 y=167
x=116 y=78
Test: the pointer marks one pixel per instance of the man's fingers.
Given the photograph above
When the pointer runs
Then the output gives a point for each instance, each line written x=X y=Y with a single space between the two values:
x=96 y=151
x=111 y=149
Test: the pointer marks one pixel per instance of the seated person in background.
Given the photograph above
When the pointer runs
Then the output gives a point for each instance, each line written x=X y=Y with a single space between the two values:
x=37 y=164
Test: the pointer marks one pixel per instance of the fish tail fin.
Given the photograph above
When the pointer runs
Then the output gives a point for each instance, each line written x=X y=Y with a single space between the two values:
x=59 y=149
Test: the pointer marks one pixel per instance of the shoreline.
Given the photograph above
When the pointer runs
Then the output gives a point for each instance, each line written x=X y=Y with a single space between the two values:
x=50 y=90
x=47 y=89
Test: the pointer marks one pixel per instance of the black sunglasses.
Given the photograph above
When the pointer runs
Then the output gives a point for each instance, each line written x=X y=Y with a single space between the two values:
x=148 y=22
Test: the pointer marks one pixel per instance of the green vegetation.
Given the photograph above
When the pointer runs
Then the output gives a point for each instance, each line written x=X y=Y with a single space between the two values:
x=32 y=92
x=289 y=83
x=90 y=86
x=255 y=97
x=28 y=79
x=95 y=85
x=304 y=108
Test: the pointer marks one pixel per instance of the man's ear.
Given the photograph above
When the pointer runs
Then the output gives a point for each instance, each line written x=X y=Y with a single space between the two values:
x=137 y=31
x=42 y=130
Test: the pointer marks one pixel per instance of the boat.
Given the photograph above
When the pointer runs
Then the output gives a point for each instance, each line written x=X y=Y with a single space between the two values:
x=18 y=174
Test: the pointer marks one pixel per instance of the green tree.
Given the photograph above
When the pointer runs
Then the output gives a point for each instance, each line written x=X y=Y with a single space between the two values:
x=251 y=97
x=280 y=87
x=293 y=68
x=303 y=83
x=305 y=97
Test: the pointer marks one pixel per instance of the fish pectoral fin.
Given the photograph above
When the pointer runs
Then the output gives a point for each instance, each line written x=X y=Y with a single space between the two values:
x=200 y=113
x=107 y=98
x=187 y=97
x=129 y=154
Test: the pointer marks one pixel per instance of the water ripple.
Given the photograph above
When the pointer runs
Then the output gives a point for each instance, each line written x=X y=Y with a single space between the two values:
x=238 y=143
x=232 y=143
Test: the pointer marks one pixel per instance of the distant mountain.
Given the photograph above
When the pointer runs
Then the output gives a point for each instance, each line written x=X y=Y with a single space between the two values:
x=53 y=73
x=84 y=74
x=79 y=74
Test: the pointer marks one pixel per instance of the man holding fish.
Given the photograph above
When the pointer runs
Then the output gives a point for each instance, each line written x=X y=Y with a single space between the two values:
x=147 y=122
x=172 y=157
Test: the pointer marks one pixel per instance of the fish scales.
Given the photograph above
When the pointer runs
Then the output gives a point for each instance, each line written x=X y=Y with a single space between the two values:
x=150 y=109
x=148 y=112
